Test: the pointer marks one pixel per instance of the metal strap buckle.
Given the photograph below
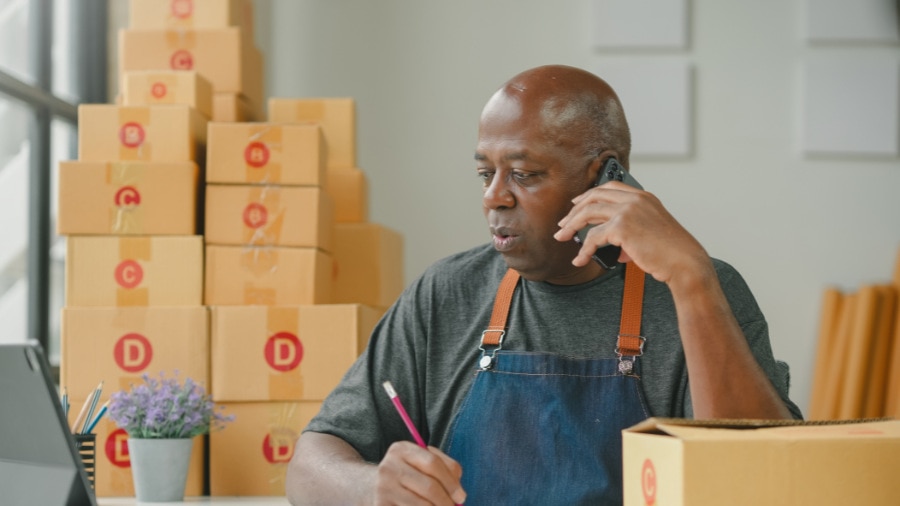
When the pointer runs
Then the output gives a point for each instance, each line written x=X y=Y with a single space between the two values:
x=626 y=362
x=640 y=348
x=487 y=355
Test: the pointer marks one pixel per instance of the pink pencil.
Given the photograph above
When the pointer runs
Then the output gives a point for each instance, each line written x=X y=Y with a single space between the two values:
x=404 y=415
x=400 y=409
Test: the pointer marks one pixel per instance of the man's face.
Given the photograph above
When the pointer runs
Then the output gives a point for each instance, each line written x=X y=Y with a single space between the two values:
x=531 y=172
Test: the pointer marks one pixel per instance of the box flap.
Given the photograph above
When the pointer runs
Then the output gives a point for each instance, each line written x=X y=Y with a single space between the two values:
x=685 y=428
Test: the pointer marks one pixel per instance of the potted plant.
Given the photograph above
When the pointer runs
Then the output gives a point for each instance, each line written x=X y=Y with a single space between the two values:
x=161 y=417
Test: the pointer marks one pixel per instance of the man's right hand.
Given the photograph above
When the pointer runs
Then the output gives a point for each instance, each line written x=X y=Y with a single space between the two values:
x=325 y=469
x=410 y=474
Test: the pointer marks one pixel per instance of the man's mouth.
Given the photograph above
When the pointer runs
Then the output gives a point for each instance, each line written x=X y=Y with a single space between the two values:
x=504 y=238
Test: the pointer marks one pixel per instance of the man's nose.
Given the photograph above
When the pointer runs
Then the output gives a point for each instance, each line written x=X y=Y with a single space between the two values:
x=498 y=195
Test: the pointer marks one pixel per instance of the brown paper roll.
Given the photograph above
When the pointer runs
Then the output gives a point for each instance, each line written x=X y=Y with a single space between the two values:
x=836 y=359
x=832 y=301
x=892 y=394
x=881 y=352
x=858 y=353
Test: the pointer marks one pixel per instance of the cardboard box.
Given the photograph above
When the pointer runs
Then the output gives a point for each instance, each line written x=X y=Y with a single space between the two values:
x=337 y=117
x=159 y=133
x=233 y=107
x=119 y=345
x=374 y=278
x=155 y=87
x=285 y=353
x=127 y=198
x=683 y=462
x=250 y=457
x=349 y=190
x=269 y=276
x=112 y=468
x=269 y=216
x=266 y=153
x=134 y=271
x=191 y=14
x=225 y=56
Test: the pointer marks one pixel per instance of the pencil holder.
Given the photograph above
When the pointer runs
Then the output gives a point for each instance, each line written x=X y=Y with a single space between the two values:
x=86 y=447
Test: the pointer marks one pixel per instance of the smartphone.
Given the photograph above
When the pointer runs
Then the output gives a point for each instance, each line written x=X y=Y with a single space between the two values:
x=608 y=256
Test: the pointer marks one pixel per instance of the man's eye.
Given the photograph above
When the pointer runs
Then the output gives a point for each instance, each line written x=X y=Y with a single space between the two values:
x=523 y=177
x=485 y=176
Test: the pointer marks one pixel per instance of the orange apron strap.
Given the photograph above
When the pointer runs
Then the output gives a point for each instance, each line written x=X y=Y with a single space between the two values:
x=630 y=342
x=493 y=336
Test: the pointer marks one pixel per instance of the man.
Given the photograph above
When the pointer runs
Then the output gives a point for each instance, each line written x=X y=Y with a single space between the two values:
x=529 y=410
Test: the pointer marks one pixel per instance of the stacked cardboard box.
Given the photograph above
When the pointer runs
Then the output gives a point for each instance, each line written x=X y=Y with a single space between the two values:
x=131 y=206
x=212 y=37
x=272 y=366
x=269 y=224
x=283 y=333
x=133 y=301
x=294 y=276
x=268 y=247
x=681 y=462
x=368 y=256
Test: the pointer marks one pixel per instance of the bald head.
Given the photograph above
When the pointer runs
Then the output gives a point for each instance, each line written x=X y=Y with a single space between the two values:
x=571 y=104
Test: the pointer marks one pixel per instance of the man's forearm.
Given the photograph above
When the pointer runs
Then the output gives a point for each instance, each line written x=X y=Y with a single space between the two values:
x=725 y=379
x=327 y=470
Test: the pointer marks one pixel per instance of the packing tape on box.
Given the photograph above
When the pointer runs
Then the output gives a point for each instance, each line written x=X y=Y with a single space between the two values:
x=132 y=297
x=133 y=125
x=259 y=262
x=284 y=352
x=140 y=248
x=278 y=445
x=262 y=155
x=125 y=216
x=182 y=44
x=310 y=110
x=263 y=216
x=259 y=295
x=134 y=320
x=129 y=273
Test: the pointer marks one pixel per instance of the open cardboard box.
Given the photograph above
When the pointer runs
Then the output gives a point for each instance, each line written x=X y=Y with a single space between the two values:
x=755 y=462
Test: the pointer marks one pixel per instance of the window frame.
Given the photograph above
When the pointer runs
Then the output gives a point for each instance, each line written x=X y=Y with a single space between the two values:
x=90 y=26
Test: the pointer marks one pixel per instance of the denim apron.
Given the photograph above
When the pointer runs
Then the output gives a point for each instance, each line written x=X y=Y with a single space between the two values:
x=538 y=428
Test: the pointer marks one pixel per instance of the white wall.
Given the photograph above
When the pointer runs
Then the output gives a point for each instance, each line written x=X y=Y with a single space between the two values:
x=421 y=71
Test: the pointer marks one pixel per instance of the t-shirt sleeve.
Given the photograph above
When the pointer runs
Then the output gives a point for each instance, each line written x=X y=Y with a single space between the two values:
x=359 y=410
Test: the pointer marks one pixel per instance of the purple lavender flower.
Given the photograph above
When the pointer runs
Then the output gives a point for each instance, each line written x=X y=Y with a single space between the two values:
x=163 y=408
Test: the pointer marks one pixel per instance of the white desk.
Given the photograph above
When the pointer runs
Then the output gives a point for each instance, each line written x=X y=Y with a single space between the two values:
x=205 y=501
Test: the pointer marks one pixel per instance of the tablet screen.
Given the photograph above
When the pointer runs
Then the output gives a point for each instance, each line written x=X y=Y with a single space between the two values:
x=38 y=462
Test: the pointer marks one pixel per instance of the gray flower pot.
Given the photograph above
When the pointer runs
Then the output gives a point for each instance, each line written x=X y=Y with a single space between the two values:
x=159 y=468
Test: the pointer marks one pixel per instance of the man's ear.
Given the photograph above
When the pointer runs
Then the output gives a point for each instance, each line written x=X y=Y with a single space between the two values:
x=597 y=163
x=593 y=170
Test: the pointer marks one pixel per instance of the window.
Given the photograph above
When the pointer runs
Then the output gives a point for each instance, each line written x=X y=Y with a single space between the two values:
x=52 y=57
x=15 y=160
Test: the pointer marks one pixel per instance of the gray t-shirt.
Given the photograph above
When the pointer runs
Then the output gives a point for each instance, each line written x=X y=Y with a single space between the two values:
x=427 y=346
